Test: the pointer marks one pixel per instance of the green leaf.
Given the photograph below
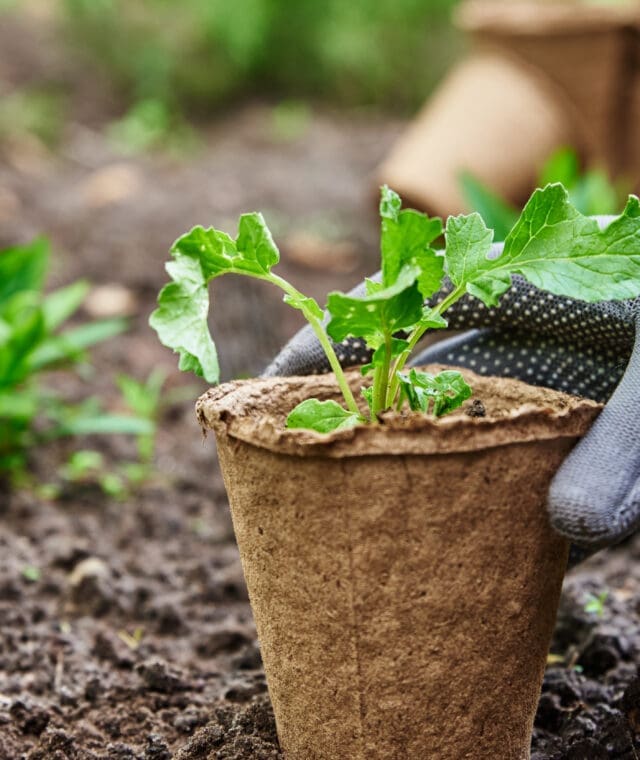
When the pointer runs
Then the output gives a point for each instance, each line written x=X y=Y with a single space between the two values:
x=26 y=333
x=105 y=423
x=596 y=604
x=405 y=241
x=305 y=304
x=496 y=212
x=367 y=395
x=142 y=398
x=372 y=317
x=322 y=416
x=62 y=303
x=446 y=391
x=20 y=407
x=181 y=318
x=255 y=243
x=254 y=251
x=200 y=256
x=31 y=573
x=372 y=286
x=70 y=345
x=432 y=320
x=416 y=398
x=562 y=166
x=390 y=203
x=559 y=250
x=468 y=245
x=593 y=193
x=23 y=268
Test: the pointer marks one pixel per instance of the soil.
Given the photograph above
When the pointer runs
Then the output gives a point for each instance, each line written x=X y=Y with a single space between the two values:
x=133 y=638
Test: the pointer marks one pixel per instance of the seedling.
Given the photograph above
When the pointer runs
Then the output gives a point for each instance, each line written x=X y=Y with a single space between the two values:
x=87 y=466
x=144 y=399
x=31 y=573
x=34 y=338
x=551 y=244
x=595 y=604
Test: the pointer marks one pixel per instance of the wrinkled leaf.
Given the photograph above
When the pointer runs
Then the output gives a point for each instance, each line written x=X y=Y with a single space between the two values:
x=181 y=318
x=406 y=238
x=383 y=312
x=559 y=250
x=200 y=256
x=468 y=245
x=446 y=391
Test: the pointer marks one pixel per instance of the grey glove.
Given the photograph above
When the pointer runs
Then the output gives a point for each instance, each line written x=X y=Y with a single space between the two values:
x=560 y=343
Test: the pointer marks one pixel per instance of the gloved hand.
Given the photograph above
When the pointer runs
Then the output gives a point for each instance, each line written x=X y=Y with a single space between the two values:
x=560 y=343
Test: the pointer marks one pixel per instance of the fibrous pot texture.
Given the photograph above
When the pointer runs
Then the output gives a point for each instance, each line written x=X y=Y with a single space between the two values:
x=403 y=576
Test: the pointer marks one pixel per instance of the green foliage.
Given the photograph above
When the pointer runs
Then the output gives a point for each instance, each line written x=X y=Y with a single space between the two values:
x=595 y=604
x=446 y=391
x=591 y=192
x=34 y=339
x=31 y=573
x=551 y=244
x=497 y=212
x=38 y=111
x=558 y=249
x=89 y=467
x=198 y=53
x=144 y=399
x=322 y=416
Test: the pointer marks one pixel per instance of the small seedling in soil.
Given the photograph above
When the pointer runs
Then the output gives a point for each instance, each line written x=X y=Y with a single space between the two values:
x=132 y=640
x=551 y=244
x=144 y=399
x=35 y=339
x=31 y=573
x=595 y=604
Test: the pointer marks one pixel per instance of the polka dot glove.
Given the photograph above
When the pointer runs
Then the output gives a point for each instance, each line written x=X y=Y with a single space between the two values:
x=591 y=350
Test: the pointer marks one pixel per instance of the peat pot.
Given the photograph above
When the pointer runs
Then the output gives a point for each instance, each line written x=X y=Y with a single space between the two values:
x=404 y=578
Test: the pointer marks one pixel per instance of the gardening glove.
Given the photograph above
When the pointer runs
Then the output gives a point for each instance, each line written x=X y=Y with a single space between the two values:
x=556 y=342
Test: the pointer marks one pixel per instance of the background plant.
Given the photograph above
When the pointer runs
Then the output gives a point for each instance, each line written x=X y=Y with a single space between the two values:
x=389 y=53
x=590 y=190
x=35 y=339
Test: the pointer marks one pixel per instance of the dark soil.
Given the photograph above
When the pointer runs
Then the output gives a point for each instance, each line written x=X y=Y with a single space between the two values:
x=135 y=638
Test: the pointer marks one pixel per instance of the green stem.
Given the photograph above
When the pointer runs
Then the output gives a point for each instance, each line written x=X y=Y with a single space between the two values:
x=414 y=339
x=381 y=380
x=323 y=338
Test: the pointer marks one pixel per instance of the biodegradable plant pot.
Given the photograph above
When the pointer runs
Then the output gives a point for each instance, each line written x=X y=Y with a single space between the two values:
x=404 y=577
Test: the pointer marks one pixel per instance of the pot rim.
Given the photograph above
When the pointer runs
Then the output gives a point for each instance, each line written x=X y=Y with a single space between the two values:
x=533 y=18
x=254 y=410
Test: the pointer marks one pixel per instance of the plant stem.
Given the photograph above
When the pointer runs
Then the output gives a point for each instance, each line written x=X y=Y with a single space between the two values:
x=323 y=338
x=414 y=338
x=381 y=381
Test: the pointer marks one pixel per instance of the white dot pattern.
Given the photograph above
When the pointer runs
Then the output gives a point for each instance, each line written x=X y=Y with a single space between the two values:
x=532 y=335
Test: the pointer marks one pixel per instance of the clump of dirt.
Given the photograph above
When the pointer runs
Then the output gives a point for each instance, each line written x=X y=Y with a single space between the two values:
x=590 y=698
x=234 y=735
